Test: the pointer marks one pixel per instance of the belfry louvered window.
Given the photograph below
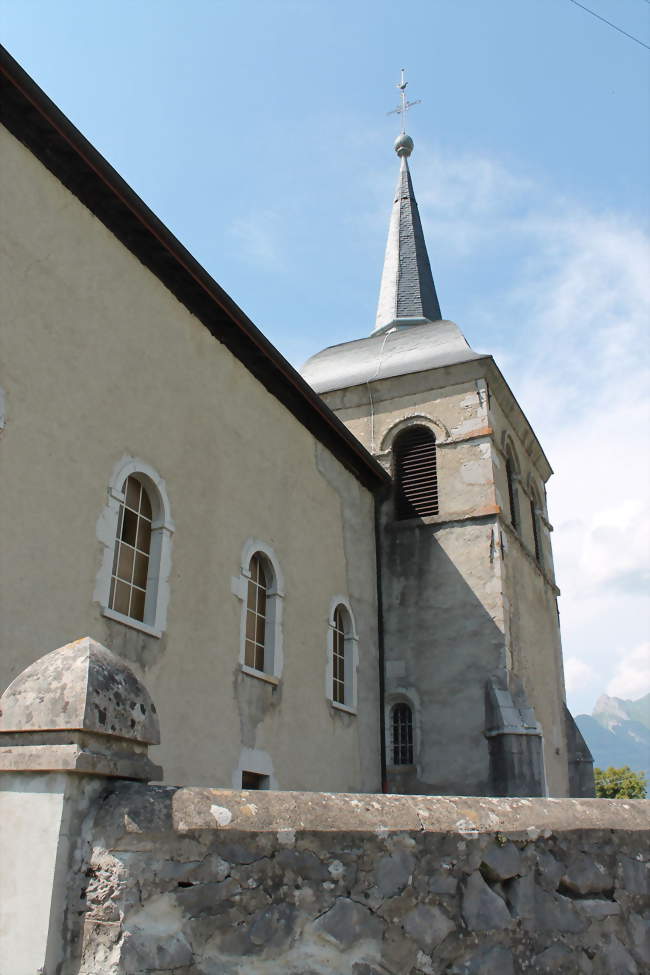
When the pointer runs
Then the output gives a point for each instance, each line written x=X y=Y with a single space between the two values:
x=416 y=480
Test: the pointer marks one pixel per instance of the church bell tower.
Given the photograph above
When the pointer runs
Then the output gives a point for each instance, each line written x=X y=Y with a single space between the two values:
x=474 y=689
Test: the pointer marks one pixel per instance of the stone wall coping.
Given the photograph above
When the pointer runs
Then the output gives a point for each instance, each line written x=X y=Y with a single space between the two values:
x=152 y=808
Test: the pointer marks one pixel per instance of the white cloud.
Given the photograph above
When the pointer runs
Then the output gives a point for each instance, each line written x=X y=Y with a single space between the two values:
x=576 y=673
x=631 y=679
x=259 y=237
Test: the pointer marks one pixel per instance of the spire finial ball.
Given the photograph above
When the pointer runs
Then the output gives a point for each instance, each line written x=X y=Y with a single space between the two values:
x=403 y=145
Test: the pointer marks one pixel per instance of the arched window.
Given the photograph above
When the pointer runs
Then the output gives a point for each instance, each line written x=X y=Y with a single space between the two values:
x=260 y=588
x=401 y=729
x=534 y=516
x=512 y=477
x=130 y=571
x=256 y=606
x=342 y=646
x=338 y=656
x=135 y=529
x=416 y=480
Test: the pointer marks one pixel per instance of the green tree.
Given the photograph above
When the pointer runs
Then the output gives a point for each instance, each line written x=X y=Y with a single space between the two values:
x=619 y=783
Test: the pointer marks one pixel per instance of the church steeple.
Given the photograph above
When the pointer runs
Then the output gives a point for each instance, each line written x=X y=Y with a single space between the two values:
x=407 y=295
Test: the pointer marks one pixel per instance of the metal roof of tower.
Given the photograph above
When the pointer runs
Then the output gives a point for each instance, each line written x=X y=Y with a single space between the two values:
x=407 y=295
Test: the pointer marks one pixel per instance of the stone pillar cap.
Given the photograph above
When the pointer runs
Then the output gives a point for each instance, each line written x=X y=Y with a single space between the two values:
x=79 y=709
x=81 y=686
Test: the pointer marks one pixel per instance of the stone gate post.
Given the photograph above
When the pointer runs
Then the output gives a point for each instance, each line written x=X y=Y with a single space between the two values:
x=70 y=724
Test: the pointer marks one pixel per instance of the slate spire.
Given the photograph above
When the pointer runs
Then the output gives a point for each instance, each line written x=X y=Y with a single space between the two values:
x=407 y=295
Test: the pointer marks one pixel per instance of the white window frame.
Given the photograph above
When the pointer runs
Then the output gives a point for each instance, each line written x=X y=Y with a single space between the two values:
x=351 y=660
x=160 y=553
x=273 y=637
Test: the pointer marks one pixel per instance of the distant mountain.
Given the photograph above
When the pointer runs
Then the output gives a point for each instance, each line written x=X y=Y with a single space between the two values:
x=618 y=733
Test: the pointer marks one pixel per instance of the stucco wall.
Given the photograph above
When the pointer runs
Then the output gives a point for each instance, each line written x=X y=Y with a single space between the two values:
x=202 y=881
x=102 y=363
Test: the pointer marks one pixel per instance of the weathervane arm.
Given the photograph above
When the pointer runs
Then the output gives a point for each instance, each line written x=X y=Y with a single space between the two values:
x=404 y=106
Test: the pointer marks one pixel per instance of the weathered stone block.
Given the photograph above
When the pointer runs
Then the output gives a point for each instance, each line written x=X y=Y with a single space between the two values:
x=500 y=862
x=348 y=922
x=596 y=909
x=496 y=960
x=635 y=875
x=585 y=875
x=302 y=863
x=202 y=899
x=428 y=926
x=639 y=929
x=521 y=896
x=142 y=951
x=482 y=909
x=555 y=913
x=394 y=872
x=556 y=960
x=613 y=958
x=443 y=883
x=549 y=870
x=273 y=926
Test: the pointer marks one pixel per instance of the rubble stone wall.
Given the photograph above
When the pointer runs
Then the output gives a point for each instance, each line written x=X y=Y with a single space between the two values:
x=196 y=881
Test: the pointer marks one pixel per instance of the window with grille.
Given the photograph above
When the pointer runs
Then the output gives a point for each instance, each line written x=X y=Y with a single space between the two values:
x=416 y=479
x=338 y=656
x=256 y=613
x=534 y=508
x=402 y=734
x=513 y=495
x=130 y=571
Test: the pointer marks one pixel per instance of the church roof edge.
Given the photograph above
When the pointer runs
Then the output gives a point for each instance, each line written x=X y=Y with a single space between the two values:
x=34 y=119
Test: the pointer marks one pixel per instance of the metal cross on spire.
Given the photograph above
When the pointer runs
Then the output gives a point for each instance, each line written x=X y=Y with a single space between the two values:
x=403 y=108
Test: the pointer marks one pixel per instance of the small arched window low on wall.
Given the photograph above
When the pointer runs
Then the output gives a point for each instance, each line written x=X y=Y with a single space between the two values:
x=415 y=473
x=136 y=530
x=342 y=654
x=401 y=734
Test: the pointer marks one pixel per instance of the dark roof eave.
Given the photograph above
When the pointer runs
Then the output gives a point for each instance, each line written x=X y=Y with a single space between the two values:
x=34 y=119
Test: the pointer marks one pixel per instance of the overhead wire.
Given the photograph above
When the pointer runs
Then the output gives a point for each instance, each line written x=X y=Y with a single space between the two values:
x=610 y=24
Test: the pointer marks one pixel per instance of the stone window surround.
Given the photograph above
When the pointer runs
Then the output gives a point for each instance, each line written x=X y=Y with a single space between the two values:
x=273 y=652
x=351 y=658
x=437 y=428
x=254 y=760
x=402 y=695
x=162 y=530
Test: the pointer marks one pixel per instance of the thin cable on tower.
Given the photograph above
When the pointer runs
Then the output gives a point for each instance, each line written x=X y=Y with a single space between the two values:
x=610 y=24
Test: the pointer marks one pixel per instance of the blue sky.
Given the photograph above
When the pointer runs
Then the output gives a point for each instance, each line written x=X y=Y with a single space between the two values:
x=258 y=132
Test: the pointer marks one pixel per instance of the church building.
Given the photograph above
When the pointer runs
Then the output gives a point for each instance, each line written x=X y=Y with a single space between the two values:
x=340 y=580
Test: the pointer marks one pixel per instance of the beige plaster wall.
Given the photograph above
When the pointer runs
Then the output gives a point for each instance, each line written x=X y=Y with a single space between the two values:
x=101 y=362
